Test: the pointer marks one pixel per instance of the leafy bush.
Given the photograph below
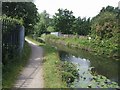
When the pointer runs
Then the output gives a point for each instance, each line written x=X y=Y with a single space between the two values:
x=11 y=20
x=69 y=72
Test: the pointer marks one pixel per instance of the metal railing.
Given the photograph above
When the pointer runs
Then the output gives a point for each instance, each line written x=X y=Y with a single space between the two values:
x=12 y=37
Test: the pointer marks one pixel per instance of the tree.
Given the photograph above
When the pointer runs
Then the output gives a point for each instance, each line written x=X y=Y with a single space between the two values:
x=104 y=25
x=25 y=10
x=63 y=21
x=81 y=26
x=43 y=26
x=50 y=29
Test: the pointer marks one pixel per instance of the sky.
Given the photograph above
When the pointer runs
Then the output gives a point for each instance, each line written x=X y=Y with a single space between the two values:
x=82 y=8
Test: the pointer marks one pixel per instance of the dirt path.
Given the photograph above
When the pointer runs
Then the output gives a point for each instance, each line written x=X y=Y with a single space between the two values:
x=31 y=76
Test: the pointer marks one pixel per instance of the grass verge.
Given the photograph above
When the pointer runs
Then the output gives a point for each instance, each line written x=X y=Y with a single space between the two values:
x=12 y=69
x=51 y=67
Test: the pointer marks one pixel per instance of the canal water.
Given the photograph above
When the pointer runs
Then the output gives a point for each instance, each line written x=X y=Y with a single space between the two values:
x=87 y=62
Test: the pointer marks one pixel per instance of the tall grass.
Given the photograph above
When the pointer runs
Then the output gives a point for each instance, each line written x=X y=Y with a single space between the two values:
x=51 y=67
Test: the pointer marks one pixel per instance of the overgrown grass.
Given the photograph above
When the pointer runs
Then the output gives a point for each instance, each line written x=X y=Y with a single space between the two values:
x=51 y=67
x=100 y=47
x=12 y=69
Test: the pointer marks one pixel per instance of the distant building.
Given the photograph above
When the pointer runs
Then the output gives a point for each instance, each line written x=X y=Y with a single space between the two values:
x=56 y=33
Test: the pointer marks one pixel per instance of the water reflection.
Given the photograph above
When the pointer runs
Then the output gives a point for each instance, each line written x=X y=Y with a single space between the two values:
x=84 y=66
x=85 y=60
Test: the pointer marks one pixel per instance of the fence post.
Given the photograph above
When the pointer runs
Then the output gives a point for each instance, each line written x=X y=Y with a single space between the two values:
x=21 y=37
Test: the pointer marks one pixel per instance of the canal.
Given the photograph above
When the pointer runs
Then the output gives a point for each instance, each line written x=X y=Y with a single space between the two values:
x=87 y=62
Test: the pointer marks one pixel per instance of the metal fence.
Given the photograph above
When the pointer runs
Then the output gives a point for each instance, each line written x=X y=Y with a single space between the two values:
x=12 y=37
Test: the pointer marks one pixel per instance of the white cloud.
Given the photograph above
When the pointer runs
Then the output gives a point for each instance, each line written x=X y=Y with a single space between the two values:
x=88 y=8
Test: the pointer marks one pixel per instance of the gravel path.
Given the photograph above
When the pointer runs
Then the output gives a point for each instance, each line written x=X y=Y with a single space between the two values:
x=32 y=76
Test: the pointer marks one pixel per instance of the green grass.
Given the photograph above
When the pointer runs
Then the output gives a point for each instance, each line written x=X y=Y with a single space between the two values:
x=51 y=67
x=12 y=69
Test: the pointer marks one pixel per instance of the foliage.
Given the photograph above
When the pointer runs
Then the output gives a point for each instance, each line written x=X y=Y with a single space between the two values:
x=103 y=82
x=109 y=9
x=104 y=25
x=63 y=21
x=94 y=81
x=25 y=10
x=43 y=26
x=11 y=20
x=51 y=68
x=99 y=47
x=81 y=26
x=39 y=29
x=105 y=30
x=50 y=29
x=69 y=72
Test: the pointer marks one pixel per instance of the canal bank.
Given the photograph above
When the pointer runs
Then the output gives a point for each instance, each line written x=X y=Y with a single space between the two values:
x=94 y=71
x=52 y=68
x=98 y=47
x=92 y=66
